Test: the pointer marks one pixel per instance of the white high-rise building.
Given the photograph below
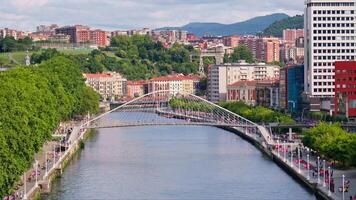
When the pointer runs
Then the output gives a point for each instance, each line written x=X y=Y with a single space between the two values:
x=330 y=36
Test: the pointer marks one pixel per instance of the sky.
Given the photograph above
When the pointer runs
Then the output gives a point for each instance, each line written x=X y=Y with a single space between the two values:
x=130 y=14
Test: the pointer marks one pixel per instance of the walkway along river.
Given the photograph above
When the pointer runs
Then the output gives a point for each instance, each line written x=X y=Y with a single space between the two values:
x=168 y=162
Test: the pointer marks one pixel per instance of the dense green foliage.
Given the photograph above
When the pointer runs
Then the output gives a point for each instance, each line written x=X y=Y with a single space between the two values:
x=240 y=53
x=257 y=114
x=33 y=101
x=332 y=142
x=188 y=104
x=323 y=116
x=9 y=44
x=276 y=29
x=136 y=57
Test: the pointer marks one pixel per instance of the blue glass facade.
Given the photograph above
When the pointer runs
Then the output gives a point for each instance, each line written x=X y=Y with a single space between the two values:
x=295 y=87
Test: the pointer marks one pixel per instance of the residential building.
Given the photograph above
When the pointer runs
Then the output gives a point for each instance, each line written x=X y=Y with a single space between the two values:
x=330 y=36
x=267 y=93
x=82 y=34
x=231 y=41
x=59 y=38
x=136 y=88
x=98 y=37
x=291 y=88
x=291 y=35
x=345 y=88
x=220 y=76
x=263 y=49
x=111 y=86
x=174 y=83
x=244 y=91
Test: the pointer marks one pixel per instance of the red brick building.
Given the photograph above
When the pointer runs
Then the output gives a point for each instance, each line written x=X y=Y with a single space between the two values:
x=231 y=41
x=345 y=88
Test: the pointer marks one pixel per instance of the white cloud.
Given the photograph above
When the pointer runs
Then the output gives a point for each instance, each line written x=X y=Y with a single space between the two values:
x=27 y=4
x=116 y=14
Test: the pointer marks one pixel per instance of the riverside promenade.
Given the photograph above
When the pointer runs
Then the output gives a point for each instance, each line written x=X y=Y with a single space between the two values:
x=294 y=158
x=48 y=164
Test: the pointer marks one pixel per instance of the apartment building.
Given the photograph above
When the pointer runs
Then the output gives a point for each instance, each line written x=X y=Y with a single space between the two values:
x=330 y=36
x=174 y=83
x=111 y=86
x=82 y=34
x=220 y=76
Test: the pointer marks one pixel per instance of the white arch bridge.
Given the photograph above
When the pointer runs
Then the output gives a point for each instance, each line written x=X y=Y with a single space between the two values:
x=172 y=108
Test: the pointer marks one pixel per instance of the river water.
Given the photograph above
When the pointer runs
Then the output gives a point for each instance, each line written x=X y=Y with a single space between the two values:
x=173 y=162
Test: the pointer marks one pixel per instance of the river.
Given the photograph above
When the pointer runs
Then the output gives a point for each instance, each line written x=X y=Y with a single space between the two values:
x=173 y=162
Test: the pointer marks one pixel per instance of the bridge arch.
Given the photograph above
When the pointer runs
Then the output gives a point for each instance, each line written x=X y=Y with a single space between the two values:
x=166 y=107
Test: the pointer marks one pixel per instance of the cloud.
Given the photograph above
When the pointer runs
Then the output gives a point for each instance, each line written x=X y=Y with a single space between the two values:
x=123 y=14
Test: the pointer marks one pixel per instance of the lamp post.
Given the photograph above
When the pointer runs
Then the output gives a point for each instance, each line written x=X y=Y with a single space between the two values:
x=308 y=166
x=284 y=151
x=46 y=164
x=298 y=160
x=36 y=172
x=318 y=169
x=324 y=173
x=278 y=149
x=25 y=187
x=329 y=192
x=291 y=157
x=343 y=187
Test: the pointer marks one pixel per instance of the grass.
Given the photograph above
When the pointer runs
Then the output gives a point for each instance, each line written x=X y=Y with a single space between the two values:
x=13 y=58
x=76 y=51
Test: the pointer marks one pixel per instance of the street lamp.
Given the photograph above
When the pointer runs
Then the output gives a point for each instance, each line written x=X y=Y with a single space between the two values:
x=46 y=174
x=318 y=169
x=284 y=150
x=343 y=187
x=36 y=172
x=329 y=177
x=324 y=172
x=308 y=166
x=25 y=187
x=291 y=157
x=298 y=160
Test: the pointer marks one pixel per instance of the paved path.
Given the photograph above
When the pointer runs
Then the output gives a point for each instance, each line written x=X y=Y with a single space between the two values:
x=350 y=175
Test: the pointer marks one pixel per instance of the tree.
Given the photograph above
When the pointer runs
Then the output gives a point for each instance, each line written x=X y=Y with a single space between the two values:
x=240 y=53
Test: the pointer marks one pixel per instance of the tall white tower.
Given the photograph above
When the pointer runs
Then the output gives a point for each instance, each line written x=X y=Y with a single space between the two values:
x=330 y=35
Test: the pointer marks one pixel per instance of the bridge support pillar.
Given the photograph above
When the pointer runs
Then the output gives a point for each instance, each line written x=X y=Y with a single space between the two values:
x=290 y=133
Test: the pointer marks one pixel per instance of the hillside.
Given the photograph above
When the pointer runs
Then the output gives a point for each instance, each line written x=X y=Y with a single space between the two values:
x=249 y=27
x=276 y=29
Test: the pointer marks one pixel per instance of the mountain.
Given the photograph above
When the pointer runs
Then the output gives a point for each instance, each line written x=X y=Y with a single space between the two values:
x=249 y=27
x=276 y=29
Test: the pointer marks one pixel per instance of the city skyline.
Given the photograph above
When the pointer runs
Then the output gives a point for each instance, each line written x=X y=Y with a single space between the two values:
x=128 y=14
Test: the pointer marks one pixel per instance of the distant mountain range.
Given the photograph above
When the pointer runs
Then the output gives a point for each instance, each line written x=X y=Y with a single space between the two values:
x=249 y=27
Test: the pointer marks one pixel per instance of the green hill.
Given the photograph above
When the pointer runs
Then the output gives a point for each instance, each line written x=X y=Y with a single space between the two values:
x=276 y=29
x=251 y=26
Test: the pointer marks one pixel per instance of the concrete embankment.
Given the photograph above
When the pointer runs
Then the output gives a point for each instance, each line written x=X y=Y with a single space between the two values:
x=320 y=194
x=44 y=186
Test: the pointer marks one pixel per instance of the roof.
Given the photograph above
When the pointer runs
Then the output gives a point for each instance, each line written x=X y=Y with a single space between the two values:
x=243 y=83
x=103 y=75
x=175 y=78
x=140 y=82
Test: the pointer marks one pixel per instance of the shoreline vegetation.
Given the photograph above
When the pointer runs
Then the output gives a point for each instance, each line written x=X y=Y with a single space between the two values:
x=34 y=100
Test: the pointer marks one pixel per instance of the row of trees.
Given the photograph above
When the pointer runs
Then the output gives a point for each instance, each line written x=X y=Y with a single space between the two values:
x=257 y=114
x=331 y=141
x=33 y=101
x=183 y=103
x=9 y=44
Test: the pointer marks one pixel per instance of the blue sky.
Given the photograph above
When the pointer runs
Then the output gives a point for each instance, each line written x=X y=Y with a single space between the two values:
x=125 y=14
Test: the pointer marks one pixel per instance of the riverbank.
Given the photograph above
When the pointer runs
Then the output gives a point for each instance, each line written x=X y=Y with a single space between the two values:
x=50 y=164
x=287 y=165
